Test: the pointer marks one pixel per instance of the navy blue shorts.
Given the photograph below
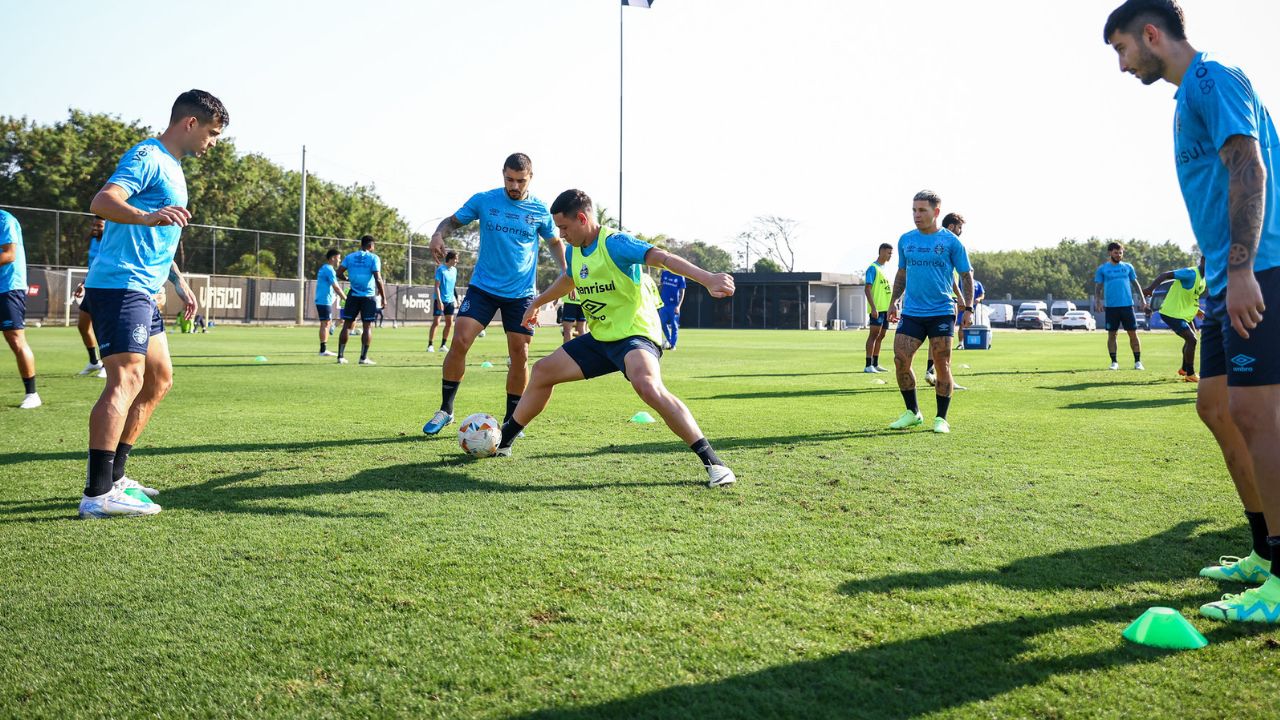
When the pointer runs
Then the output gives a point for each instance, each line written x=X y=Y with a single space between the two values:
x=596 y=357
x=365 y=307
x=935 y=326
x=1117 y=317
x=123 y=320
x=482 y=306
x=1175 y=324
x=449 y=309
x=13 y=310
x=1246 y=363
x=572 y=313
x=324 y=312
x=878 y=320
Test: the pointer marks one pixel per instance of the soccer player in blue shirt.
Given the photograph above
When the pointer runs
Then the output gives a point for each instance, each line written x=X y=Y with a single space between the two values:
x=671 y=291
x=144 y=202
x=13 y=305
x=1228 y=162
x=504 y=279
x=927 y=259
x=446 y=300
x=1112 y=296
x=955 y=223
x=363 y=269
x=84 y=323
x=328 y=291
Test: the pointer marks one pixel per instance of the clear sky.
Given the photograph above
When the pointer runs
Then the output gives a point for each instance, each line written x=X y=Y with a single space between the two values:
x=831 y=112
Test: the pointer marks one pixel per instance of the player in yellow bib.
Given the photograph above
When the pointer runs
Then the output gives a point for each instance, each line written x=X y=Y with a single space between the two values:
x=878 y=292
x=1180 y=308
x=607 y=271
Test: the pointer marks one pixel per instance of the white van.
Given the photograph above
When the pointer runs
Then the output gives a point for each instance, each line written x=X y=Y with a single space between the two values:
x=1059 y=309
x=1033 y=306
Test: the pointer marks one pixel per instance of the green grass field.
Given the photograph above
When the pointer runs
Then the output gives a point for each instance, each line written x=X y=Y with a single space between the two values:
x=318 y=556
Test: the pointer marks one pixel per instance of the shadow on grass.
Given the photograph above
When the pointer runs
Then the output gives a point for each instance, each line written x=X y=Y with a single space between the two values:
x=677 y=448
x=817 y=392
x=221 y=448
x=1079 y=387
x=948 y=670
x=770 y=375
x=1130 y=404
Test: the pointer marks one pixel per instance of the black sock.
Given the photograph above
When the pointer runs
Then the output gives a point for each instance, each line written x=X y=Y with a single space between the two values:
x=512 y=402
x=1137 y=357
x=909 y=397
x=98 y=481
x=944 y=403
x=875 y=360
x=364 y=351
x=929 y=368
x=510 y=430
x=1258 y=529
x=342 y=348
x=122 y=457
x=1113 y=357
x=705 y=453
x=29 y=384
x=868 y=361
x=324 y=346
x=1273 y=543
x=93 y=355
x=448 y=389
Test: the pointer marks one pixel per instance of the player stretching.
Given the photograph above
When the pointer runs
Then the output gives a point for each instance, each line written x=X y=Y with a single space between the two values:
x=607 y=269
x=327 y=293
x=1114 y=279
x=13 y=305
x=363 y=269
x=879 y=292
x=144 y=202
x=504 y=279
x=1179 y=310
x=1226 y=146
x=446 y=300
x=927 y=258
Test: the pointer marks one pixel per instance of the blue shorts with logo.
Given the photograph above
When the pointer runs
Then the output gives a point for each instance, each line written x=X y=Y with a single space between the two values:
x=123 y=320
x=572 y=313
x=365 y=307
x=1117 y=317
x=324 y=312
x=878 y=320
x=482 y=306
x=448 y=309
x=1246 y=363
x=13 y=310
x=935 y=326
x=1175 y=324
x=597 y=357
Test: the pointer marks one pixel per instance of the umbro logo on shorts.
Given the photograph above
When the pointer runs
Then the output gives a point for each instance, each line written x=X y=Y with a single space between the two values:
x=1243 y=363
x=944 y=327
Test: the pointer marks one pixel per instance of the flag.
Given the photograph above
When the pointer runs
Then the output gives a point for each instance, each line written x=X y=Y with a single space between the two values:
x=638 y=3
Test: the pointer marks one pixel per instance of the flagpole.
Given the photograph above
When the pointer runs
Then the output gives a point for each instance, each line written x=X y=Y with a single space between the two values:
x=621 y=15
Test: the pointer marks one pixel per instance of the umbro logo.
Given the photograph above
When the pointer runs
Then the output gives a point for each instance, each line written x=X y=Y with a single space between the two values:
x=944 y=327
x=1243 y=360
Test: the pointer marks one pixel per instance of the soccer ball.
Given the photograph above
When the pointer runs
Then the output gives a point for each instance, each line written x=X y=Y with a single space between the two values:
x=479 y=435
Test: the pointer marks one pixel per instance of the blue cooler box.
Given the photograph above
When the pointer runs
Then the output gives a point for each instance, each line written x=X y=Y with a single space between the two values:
x=977 y=338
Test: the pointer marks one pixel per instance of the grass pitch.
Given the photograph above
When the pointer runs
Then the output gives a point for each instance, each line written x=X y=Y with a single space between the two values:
x=319 y=557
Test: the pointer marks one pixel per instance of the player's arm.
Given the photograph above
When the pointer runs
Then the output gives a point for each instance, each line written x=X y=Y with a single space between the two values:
x=1246 y=203
x=185 y=293
x=112 y=203
x=382 y=289
x=554 y=291
x=871 y=298
x=679 y=300
x=966 y=298
x=1150 y=290
x=1141 y=293
x=342 y=273
x=443 y=231
x=557 y=251
x=899 y=287
x=720 y=285
x=336 y=286
x=8 y=253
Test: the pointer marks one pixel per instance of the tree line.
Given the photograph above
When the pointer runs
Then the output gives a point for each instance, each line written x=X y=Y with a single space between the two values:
x=1066 y=271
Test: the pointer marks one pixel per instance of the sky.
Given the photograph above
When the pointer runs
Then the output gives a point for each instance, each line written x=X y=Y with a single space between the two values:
x=832 y=113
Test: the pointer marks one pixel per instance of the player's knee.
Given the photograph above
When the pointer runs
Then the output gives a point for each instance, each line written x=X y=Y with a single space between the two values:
x=652 y=393
x=1212 y=412
x=519 y=353
x=1255 y=418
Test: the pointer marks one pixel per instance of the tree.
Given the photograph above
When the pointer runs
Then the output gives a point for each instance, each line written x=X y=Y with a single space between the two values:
x=707 y=257
x=766 y=265
x=773 y=237
x=260 y=265
x=1067 y=270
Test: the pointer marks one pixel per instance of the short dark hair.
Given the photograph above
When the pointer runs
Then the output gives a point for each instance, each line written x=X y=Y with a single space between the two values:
x=1129 y=17
x=333 y=253
x=953 y=219
x=366 y=241
x=886 y=246
x=1114 y=246
x=518 y=162
x=571 y=202
x=451 y=255
x=929 y=196
x=200 y=105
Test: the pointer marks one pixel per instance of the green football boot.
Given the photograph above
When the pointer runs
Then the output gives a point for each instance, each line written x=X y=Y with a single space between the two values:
x=940 y=425
x=909 y=419
x=1260 y=605
x=1252 y=570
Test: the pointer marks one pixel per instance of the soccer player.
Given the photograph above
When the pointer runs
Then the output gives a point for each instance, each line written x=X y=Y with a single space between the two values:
x=927 y=258
x=446 y=300
x=1179 y=310
x=13 y=305
x=671 y=291
x=1112 y=296
x=84 y=322
x=328 y=290
x=607 y=269
x=879 y=292
x=572 y=322
x=1228 y=164
x=144 y=202
x=955 y=223
x=363 y=269
x=504 y=279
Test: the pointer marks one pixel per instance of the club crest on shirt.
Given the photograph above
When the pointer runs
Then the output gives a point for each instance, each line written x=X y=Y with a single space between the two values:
x=582 y=273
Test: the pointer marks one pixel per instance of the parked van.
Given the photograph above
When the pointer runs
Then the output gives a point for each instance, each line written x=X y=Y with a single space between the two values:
x=1060 y=308
x=1037 y=305
x=1000 y=315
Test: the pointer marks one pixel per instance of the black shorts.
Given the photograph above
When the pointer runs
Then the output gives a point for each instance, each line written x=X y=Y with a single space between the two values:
x=1117 y=317
x=934 y=326
x=1175 y=324
x=123 y=320
x=482 y=306
x=572 y=313
x=448 y=309
x=324 y=312
x=878 y=320
x=1246 y=363
x=13 y=310
x=596 y=357
x=365 y=307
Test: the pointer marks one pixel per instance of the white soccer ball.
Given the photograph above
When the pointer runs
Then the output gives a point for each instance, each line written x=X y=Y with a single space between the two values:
x=479 y=435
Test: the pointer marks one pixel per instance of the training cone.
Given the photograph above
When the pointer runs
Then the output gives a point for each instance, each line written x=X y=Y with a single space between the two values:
x=642 y=417
x=1164 y=627
x=880 y=382
x=486 y=364
x=260 y=358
